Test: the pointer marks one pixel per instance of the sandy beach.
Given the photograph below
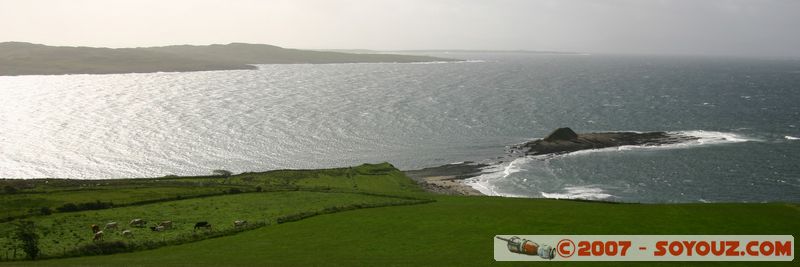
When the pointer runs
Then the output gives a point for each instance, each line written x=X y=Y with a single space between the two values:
x=448 y=185
x=447 y=179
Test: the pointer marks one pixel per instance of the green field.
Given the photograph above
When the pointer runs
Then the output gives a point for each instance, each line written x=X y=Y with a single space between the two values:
x=63 y=231
x=15 y=205
x=452 y=231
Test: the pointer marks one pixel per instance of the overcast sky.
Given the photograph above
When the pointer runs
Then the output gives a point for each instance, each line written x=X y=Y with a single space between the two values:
x=726 y=27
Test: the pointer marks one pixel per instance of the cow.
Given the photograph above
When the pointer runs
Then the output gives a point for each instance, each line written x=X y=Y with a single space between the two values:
x=238 y=224
x=98 y=236
x=95 y=228
x=127 y=233
x=157 y=228
x=111 y=226
x=202 y=224
x=138 y=223
x=166 y=224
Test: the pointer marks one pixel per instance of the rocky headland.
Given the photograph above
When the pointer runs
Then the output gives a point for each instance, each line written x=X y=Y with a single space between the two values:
x=565 y=140
x=448 y=179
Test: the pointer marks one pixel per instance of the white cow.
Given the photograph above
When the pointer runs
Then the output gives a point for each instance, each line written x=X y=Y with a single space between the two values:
x=138 y=223
x=98 y=236
x=238 y=223
x=111 y=226
x=166 y=224
x=127 y=233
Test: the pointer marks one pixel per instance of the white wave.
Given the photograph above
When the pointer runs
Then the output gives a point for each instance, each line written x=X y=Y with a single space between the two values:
x=589 y=192
x=712 y=137
x=791 y=138
x=483 y=182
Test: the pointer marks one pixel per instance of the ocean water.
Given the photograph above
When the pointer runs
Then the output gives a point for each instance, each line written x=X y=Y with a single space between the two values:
x=746 y=111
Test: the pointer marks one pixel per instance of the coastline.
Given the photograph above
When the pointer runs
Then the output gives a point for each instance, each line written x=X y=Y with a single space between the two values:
x=447 y=179
x=21 y=58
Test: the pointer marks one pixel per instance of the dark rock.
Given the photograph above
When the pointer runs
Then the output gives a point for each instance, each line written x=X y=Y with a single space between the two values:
x=564 y=140
x=562 y=134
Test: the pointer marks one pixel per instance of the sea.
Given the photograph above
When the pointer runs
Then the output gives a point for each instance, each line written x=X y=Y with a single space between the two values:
x=746 y=113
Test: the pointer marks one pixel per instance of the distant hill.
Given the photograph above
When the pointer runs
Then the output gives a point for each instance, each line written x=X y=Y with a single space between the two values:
x=18 y=58
x=268 y=54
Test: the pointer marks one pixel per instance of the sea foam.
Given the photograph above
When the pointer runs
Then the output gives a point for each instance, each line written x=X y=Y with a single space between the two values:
x=588 y=192
x=484 y=182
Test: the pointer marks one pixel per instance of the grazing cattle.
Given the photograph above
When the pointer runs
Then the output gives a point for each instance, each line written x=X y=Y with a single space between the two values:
x=166 y=224
x=127 y=233
x=138 y=223
x=202 y=225
x=95 y=228
x=238 y=224
x=98 y=236
x=111 y=226
x=158 y=228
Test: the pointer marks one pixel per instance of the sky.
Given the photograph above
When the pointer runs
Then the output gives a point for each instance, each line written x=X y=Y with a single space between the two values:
x=768 y=28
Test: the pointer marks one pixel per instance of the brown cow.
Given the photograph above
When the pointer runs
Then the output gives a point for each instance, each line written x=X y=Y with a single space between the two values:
x=95 y=228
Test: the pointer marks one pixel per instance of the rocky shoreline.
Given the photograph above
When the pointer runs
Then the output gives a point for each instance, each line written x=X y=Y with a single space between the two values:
x=448 y=179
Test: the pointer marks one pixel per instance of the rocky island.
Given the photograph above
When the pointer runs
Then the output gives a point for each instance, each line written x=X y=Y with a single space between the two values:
x=565 y=140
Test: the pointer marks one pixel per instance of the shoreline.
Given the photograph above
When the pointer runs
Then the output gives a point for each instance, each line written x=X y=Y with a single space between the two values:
x=447 y=179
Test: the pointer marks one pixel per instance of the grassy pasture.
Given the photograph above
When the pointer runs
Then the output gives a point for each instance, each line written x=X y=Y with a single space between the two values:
x=34 y=194
x=62 y=232
x=14 y=205
x=186 y=200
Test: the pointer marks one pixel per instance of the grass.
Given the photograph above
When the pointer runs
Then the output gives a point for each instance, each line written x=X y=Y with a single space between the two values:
x=60 y=233
x=34 y=194
x=16 y=205
x=452 y=231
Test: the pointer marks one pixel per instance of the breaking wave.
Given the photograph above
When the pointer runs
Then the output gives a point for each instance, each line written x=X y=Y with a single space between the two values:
x=486 y=183
x=588 y=192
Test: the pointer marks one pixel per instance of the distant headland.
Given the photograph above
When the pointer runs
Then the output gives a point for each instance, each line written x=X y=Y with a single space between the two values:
x=19 y=58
